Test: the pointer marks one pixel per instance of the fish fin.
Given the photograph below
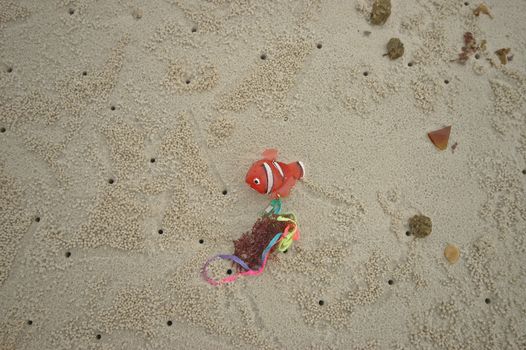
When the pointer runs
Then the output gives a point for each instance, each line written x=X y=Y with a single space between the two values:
x=270 y=154
x=284 y=190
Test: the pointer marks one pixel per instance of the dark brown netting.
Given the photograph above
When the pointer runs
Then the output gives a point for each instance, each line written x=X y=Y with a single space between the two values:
x=250 y=245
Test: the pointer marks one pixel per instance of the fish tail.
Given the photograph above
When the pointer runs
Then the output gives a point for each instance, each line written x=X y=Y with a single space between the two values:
x=300 y=170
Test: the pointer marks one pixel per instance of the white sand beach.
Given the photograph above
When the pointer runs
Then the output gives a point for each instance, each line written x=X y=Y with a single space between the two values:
x=127 y=128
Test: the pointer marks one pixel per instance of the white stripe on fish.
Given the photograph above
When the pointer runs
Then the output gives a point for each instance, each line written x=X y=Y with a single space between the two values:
x=302 y=169
x=279 y=169
x=270 y=177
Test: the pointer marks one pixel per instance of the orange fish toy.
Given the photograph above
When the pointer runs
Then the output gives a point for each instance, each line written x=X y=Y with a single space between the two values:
x=268 y=176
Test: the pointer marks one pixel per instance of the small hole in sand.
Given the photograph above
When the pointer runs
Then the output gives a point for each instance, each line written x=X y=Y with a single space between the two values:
x=98 y=336
x=29 y=322
x=487 y=301
x=410 y=64
x=225 y=192
x=286 y=118
x=112 y=108
x=201 y=241
x=321 y=302
x=365 y=74
x=477 y=56
x=263 y=56
x=407 y=233
x=2 y=129
x=466 y=3
x=187 y=81
x=446 y=81
x=160 y=232
x=84 y=73
x=229 y=271
x=9 y=70
x=37 y=219
x=523 y=171
x=111 y=181
x=169 y=323
x=194 y=29
x=152 y=160
x=68 y=254
x=319 y=46
x=391 y=282
x=285 y=251
x=71 y=11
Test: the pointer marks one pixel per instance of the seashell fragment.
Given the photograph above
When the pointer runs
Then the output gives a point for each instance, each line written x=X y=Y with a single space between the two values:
x=452 y=253
x=503 y=55
x=440 y=137
x=482 y=8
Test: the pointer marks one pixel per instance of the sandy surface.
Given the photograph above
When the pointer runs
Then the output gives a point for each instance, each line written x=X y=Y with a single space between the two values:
x=171 y=102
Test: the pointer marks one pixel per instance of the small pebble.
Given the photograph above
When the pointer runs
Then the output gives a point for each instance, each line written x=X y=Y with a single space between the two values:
x=420 y=226
x=395 y=48
x=381 y=11
x=137 y=13
x=452 y=253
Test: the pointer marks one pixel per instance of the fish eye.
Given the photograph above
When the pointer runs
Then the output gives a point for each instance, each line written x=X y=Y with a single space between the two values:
x=256 y=181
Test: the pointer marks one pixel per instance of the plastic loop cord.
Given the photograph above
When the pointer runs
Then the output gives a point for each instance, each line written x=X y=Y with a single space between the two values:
x=234 y=258
x=283 y=240
x=273 y=208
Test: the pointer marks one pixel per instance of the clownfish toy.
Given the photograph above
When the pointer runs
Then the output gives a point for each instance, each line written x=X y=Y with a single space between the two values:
x=268 y=176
